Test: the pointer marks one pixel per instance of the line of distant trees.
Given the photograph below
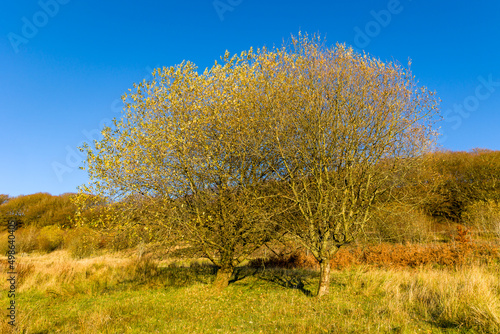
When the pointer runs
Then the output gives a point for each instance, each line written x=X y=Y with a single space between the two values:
x=38 y=210
x=464 y=179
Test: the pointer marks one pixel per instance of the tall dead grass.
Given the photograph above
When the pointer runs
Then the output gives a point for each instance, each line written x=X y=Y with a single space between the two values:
x=61 y=274
x=468 y=298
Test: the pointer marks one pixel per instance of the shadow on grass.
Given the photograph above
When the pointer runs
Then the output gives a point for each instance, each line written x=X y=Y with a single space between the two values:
x=183 y=276
x=241 y=273
x=174 y=275
x=298 y=279
x=149 y=273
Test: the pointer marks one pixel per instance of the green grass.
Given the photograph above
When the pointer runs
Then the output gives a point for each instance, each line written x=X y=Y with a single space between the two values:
x=249 y=306
x=112 y=295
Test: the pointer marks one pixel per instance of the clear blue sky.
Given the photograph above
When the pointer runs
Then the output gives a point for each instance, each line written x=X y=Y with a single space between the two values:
x=65 y=63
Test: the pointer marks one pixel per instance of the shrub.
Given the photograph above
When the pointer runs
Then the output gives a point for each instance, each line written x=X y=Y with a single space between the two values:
x=50 y=238
x=26 y=239
x=4 y=246
x=484 y=216
x=81 y=242
x=38 y=210
x=465 y=178
x=4 y=198
x=399 y=223
x=143 y=267
x=129 y=237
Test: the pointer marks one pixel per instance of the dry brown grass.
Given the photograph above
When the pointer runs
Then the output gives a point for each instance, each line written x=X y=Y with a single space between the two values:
x=56 y=290
x=467 y=298
x=59 y=273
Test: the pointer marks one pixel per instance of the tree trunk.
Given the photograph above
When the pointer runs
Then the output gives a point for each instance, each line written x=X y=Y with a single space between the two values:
x=324 y=278
x=222 y=279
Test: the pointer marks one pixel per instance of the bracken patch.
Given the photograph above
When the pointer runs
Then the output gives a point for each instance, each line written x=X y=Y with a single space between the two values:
x=461 y=251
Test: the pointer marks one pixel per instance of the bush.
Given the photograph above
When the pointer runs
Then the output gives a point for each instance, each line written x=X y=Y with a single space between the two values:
x=81 y=242
x=37 y=210
x=465 y=178
x=399 y=223
x=143 y=267
x=32 y=239
x=484 y=216
x=50 y=238
x=26 y=239
x=129 y=237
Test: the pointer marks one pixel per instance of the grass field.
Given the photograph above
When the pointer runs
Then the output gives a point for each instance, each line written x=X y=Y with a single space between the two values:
x=114 y=293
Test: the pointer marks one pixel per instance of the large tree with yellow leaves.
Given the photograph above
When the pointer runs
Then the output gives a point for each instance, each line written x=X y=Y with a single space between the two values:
x=329 y=127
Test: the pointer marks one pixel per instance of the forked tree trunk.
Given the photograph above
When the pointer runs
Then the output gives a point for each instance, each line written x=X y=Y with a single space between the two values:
x=222 y=279
x=324 y=278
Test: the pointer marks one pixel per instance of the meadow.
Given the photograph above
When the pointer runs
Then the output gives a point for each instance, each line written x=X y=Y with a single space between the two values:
x=374 y=289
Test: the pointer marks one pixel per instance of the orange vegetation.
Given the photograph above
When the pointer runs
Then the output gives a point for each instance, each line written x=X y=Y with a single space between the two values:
x=461 y=251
